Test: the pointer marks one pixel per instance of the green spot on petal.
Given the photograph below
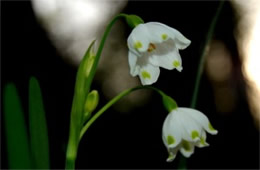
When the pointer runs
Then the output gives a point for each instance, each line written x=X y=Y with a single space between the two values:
x=138 y=45
x=176 y=63
x=186 y=145
x=170 y=157
x=211 y=127
x=170 y=140
x=194 y=134
x=202 y=141
x=146 y=75
x=164 y=36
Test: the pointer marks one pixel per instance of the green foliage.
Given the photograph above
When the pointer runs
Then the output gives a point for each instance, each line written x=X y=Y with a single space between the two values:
x=23 y=154
x=18 y=150
x=38 y=127
x=82 y=86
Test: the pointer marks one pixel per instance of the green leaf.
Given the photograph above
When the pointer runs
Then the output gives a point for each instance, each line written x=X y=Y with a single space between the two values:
x=38 y=127
x=18 y=150
x=82 y=86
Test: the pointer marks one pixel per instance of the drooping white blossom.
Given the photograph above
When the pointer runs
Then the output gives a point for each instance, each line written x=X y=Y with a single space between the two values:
x=183 y=129
x=153 y=45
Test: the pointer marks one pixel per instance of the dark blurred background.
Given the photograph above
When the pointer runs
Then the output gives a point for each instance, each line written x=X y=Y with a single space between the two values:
x=132 y=139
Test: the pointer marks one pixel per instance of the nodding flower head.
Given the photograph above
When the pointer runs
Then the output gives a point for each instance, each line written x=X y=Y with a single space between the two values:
x=153 y=45
x=183 y=129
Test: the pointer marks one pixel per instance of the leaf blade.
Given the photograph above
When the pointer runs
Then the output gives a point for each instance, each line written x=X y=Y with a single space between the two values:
x=18 y=150
x=38 y=127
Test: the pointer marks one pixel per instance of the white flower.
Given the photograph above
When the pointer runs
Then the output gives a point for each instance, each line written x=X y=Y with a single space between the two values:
x=153 y=45
x=183 y=129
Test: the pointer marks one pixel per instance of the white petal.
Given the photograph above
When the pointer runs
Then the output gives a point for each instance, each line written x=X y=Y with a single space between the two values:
x=192 y=128
x=149 y=74
x=187 y=149
x=172 y=153
x=167 y=59
x=171 y=157
x=202 y=143
x=181 y=41
x=172 y=127
x=157 y=32
x=202 y=119
x=132 y=59
x=137 y=40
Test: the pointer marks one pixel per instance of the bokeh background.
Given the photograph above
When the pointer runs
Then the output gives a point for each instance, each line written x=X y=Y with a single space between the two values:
x=47 y=38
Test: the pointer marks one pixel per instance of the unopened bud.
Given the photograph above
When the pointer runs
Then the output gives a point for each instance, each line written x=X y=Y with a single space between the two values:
x=91 y=101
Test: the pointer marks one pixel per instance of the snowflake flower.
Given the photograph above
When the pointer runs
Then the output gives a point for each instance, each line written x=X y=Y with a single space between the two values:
x=153 y=45
x=183 y=129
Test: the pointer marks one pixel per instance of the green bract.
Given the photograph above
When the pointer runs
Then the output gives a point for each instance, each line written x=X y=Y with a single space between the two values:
x=133 y=20
x=169 y=103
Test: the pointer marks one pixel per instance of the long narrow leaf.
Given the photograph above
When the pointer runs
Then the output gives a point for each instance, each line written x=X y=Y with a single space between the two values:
x=18 y=150
x=38 y=127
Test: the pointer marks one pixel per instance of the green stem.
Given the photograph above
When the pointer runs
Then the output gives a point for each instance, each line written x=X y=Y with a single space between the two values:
x=70 y=163
x=113 y=101
x=79 y=95
x=101 y=46
x=182 y=163
x=202 y=57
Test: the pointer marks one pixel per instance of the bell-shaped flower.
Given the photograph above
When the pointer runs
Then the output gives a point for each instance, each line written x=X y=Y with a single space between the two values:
x=183 y=129
x=153 y=45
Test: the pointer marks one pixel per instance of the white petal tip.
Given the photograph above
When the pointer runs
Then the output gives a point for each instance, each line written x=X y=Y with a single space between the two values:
x=170 y=158
x=188 y=42
x=132 y=74
x=144 y=83
x=202 y=145
x=187 y=154
x=196 y=139
x=213 y=132
x=206 y=145
x=179 y=69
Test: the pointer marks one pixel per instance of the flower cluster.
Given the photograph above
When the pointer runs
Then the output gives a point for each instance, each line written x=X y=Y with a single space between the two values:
x=153 y=45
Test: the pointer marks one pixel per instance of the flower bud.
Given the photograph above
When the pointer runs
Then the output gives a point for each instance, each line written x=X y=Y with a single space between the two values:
x=133 y=20
x=90 y=59
x=91 y=101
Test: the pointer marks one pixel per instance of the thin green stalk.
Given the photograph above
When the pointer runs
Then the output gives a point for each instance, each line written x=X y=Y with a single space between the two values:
x=70 y=164
x=202 y=57
x=113 y=101
x=101 y=46
x=182 y=162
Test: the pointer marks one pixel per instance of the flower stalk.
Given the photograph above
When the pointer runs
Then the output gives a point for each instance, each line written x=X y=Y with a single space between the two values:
x=182 y=162
x=203 y=55
x=165 y=98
